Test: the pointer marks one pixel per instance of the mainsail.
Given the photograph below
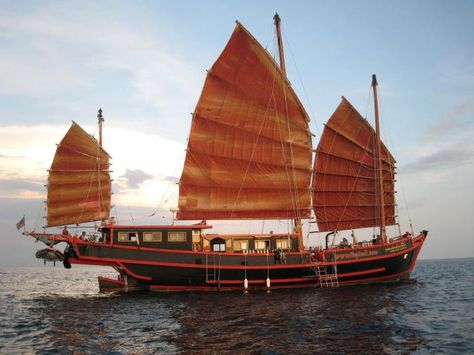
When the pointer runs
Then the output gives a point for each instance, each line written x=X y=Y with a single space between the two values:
x=249 y=150
x=79 y=185
x=345 y=174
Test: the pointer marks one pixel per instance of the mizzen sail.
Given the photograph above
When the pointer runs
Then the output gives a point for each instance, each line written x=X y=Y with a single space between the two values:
x=79 y=184
x=249 y=150
x=345 y=174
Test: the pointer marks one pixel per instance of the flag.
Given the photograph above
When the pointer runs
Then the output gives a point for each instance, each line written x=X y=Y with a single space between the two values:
x=21 y=223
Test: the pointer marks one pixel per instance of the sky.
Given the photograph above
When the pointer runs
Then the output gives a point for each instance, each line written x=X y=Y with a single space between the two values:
x=144 y=63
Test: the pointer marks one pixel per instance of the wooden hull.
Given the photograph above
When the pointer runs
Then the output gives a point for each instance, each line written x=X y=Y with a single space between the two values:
x=152 y=269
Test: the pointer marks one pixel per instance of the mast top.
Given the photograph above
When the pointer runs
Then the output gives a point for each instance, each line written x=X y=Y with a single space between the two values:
x=374 y=80
x=100 y=117
x=277 y=19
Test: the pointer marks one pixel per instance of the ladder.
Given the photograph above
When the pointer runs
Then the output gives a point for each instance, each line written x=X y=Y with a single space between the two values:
x=326 y=279
x=213 y=271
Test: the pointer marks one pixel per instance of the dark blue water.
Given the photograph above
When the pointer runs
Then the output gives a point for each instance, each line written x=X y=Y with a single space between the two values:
x=53 y=310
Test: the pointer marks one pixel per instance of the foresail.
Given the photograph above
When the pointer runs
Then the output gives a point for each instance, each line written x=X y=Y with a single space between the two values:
x=79 y=184
x=249 y=150
x=345 y=183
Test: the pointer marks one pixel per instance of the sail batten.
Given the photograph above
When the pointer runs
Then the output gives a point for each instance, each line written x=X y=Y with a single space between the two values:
x=79 y=184
x=249 y=150
x=345 y=182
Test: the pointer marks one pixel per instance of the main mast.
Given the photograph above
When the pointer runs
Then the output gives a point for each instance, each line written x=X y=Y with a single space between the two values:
x=379 y=162
x=276 y=18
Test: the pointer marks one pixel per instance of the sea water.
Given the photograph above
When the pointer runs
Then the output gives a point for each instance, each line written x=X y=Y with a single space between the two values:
x=53 y=310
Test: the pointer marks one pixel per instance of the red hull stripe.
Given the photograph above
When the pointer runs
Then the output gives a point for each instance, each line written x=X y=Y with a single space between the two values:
x=365 y=272
x=296 y=279
x=375 y=279
x=112 y=281
x=263 y=282
x=131 y=273
x=109 y=261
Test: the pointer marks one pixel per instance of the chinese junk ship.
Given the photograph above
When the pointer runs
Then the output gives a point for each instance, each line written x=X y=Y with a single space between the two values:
x=249 y=156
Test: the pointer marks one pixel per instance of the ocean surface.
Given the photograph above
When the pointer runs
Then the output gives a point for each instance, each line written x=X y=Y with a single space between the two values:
x=54 y=310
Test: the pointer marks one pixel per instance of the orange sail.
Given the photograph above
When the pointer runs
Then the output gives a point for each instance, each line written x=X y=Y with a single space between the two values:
x=79 y=185
x=249 y=150
x=345 y=176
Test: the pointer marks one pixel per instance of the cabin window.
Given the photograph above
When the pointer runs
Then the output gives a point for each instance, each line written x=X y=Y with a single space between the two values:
x=152 y=236
x=262 y=244
x=282 y=244
x=241 y=245
x=127 y=237
x=176 y=236
x=218 y=245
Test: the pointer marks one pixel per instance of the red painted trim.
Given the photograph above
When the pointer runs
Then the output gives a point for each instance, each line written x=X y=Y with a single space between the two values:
x=296 y=279
x=196 y=266
x=374 y=279
x=116 y=282
x=263 y=282
x=365 y=272
x=419 y=244
x=131 y=273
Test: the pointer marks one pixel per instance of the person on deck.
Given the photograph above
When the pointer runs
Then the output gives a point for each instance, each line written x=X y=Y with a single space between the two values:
x=344 y=243
x=65 y=231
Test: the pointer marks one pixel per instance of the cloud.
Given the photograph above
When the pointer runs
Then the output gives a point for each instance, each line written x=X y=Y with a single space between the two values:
x=465 y=108
x=439 y=161
x=60 y=49
x=21 y=188
x=458 y=120
x=135 y=178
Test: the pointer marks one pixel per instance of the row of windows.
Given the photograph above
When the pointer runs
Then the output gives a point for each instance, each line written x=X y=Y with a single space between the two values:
x=243 y=245
x=153 y=237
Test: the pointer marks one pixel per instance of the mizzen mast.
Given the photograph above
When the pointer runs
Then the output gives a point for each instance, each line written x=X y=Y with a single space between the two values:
x=100 y=119
x=379 y=162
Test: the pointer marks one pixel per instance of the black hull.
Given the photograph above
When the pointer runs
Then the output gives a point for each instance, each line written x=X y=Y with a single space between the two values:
x=174 y=270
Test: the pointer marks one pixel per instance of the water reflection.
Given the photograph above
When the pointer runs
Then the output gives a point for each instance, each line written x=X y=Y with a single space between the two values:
x=311 y=320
